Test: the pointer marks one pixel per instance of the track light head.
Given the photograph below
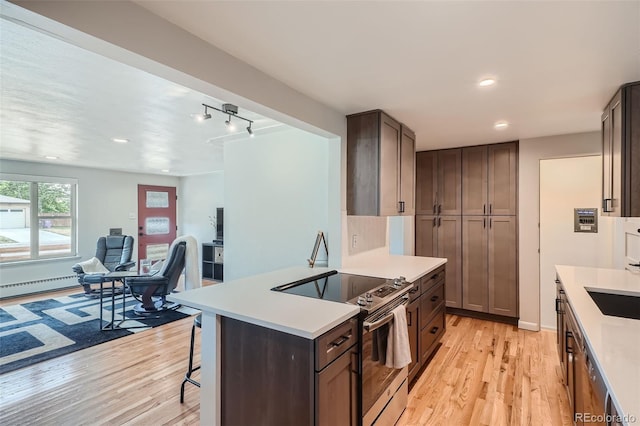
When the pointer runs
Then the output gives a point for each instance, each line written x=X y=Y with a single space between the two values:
x=250 y=131
x=230 y=124
x=204 y=116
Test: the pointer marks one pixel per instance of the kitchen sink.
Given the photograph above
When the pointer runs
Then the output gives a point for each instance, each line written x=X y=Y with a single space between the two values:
x=617 y=305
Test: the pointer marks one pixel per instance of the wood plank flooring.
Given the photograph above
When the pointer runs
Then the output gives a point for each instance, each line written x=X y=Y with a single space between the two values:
x=485 y=373
x=488 y=373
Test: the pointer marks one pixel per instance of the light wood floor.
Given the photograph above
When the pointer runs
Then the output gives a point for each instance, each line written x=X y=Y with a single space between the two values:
x=488 y=373
x=485 y=373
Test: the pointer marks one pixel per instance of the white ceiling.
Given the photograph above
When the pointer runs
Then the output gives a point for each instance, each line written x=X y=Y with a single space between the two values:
x=60 y=100
x=557 y=64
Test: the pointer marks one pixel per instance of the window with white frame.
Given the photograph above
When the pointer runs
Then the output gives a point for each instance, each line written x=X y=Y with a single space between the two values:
x=37 y=218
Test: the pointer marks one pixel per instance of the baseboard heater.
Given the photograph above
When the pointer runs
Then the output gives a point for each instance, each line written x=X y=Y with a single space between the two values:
x=37 y=286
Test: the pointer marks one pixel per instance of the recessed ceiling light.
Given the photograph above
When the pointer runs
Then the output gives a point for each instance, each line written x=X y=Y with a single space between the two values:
x=487 y=82
x=501 y=125
x=120 y=140
x=50 y=157
x=165 y=170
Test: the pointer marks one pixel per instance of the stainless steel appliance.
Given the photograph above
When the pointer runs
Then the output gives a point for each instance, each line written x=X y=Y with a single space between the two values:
x=384 y=390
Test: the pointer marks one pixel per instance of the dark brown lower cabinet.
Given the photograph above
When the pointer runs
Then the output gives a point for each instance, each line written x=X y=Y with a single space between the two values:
x=490 y=265
x=275 y=378
x=426 y=319
x=337 y=391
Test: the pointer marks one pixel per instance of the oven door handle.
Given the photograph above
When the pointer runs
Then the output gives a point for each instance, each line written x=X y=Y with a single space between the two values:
x=371 y=326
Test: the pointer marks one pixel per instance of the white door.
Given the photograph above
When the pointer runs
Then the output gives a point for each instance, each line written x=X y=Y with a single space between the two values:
x=565 y=184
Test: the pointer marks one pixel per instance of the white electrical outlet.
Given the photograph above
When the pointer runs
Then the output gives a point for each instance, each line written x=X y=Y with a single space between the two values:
x=354 y=240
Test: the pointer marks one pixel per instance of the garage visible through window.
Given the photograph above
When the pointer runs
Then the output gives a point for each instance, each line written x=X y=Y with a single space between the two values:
x=37 y=218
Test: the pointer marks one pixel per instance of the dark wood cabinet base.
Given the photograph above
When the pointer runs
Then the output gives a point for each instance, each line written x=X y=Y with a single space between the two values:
x=272 y=378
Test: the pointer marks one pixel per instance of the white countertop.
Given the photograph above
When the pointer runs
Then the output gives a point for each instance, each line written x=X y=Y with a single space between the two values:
x=614 y=342
x=251 y=300
x=378 y=263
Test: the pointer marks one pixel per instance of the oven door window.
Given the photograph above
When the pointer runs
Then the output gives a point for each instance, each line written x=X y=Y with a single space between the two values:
x=376 y=377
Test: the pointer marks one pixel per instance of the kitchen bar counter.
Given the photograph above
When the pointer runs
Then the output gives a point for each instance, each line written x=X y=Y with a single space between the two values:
x=251 y=300
x=614 y=342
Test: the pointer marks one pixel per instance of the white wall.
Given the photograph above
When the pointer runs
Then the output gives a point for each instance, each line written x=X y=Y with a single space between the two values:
x=531 y=152
x=566 y=184
x=199 y=197
x=105 y=200
x=276 y=192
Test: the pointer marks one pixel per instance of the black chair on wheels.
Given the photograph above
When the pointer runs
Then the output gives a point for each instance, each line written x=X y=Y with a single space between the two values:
x=152 y=291
x=114 y=252
x=197 y=322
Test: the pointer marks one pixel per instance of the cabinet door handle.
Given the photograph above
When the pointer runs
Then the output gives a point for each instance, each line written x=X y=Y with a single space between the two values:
x=434 y=330
x=490 y=208
x=409 y=319
x=490 y=220
x=568 y=335
x=557 y=305
x=484 y=222
x=400 y=206
x=484 y=209
x=607 y=204
x=434 y=298
x=434 y=222
x=339 y=341
x=557 y=281
x=434 y=208
x=439 y=208
x=439 y=222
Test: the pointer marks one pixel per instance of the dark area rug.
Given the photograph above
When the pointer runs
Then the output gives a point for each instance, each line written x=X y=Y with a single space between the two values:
x=42 y=330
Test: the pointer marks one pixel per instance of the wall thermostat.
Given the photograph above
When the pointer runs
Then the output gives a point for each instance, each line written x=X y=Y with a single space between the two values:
x=585 y=220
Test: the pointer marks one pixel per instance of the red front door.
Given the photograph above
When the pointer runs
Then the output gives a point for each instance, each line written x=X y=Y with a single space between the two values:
x=156 y=221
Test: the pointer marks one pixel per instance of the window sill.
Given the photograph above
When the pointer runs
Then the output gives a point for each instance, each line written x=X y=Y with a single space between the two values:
x=39 y=261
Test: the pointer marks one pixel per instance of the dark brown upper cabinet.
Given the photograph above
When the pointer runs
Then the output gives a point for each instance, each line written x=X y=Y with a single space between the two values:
x=621 y=153
x=489 y=179
x=440 y=186
x=380 y=166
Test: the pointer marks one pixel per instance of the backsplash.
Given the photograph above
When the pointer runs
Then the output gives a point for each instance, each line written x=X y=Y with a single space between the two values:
x=370 y=233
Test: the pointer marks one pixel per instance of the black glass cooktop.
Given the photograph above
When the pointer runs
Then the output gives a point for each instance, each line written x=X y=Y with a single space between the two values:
x=332 y=286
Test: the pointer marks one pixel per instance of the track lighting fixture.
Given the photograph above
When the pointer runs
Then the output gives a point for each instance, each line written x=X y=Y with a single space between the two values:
x=228 y=109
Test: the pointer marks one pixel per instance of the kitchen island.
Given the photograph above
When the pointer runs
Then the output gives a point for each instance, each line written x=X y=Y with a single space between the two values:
x=251 y=300
x=614 y=342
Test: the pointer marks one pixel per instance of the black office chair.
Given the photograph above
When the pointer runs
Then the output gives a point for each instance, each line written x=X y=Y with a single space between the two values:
x=114 y=252
x=151 y=291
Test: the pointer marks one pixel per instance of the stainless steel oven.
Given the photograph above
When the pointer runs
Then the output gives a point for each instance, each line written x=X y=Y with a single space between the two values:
x=384 y=389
